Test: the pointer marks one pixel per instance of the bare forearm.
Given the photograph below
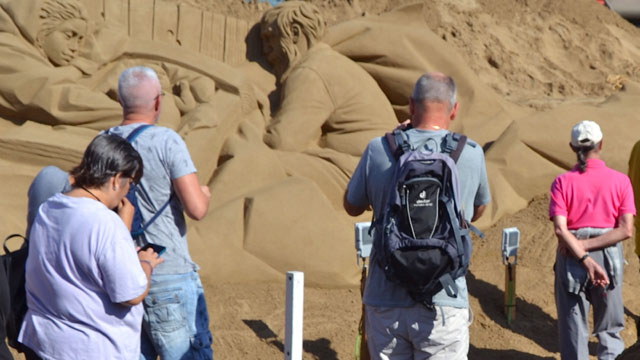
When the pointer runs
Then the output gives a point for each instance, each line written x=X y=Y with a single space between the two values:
x=570 y=242
x=621 y=232
x=607 y=239
x=194 y=197
x=477 y=212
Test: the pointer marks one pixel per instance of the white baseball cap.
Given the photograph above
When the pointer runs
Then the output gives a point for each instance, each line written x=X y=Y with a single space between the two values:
x=586 y=132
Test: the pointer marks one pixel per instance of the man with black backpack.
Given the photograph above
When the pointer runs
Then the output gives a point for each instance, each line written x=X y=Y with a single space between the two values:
x=175 y=323
x=425 y=185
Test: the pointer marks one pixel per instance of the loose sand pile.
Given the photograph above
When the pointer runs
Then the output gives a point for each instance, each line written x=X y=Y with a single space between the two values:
x=536 y=56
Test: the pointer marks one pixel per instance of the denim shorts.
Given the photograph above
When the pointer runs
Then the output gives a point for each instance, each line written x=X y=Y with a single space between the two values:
x=176 y=322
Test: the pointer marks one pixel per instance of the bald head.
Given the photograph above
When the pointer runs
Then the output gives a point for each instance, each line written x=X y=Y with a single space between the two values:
x=435 y=87
x=139 y=89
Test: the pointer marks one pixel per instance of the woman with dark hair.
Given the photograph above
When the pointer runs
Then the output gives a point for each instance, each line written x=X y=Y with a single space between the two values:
x=85 y=281
x=592 y=209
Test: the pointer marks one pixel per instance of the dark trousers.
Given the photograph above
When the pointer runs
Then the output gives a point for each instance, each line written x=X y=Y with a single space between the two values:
x=30 y=354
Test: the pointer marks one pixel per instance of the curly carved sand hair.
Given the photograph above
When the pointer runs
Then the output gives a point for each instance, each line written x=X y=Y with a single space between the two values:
x=55 y=12
x=308 y=16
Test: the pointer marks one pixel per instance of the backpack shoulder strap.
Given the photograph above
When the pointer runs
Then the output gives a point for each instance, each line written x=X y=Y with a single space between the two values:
x=453 y=144
x=137 y=131
x=398 y=142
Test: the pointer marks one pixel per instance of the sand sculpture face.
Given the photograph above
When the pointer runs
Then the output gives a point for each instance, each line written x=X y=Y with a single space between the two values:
x=61 y=45
x=62 y=29
x=274 y=46
x=288 y=31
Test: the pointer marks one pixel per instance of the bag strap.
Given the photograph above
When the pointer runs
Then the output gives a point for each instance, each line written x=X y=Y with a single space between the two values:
x=137 y=131
x=448 y=145
x=4 y=244
x=130 y=138
x=148 y=223
x=398 y=142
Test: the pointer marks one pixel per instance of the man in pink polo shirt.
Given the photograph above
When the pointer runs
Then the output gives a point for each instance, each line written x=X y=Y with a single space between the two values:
x=592 y=209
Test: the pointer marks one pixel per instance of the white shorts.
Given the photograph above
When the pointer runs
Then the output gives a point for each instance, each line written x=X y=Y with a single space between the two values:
x=418 y=333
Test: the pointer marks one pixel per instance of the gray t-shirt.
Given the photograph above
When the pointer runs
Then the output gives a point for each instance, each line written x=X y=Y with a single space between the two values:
x=370 y=186
x=165 y=157
x=49 y=181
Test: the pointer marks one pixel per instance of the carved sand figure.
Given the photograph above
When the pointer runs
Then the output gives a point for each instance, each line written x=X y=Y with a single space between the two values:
x=330 y=107
x=58 y=68
x=40 y=43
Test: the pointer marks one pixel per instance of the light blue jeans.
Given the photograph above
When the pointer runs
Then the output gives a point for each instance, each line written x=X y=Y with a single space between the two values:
x=176 y=322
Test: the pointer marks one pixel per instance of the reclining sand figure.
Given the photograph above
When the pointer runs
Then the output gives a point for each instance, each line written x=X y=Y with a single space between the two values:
x=329 y=108
x=56 y=68
x=40 y=42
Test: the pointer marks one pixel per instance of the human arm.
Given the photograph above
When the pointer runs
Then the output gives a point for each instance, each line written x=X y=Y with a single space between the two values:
x=126 y=210
x=193 y=196
x=121 y=273
x=483 y=193
x=621 y=232
x=356 y=200
x=478 y=210
x=148 y=260
x=353 y=210
x=305 y=106
x=568 y=241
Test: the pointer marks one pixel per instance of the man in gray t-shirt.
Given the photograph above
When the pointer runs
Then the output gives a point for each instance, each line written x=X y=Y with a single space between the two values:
x=176 y=322
x=395 y=323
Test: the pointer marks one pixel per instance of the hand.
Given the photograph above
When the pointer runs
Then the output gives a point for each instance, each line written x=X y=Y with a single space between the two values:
x=185 y=100
x=150 y=256
x=403 y=125
x=126 y=210
x=597 y=274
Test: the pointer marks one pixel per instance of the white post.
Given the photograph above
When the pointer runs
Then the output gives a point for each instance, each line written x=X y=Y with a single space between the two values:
x=294 y=315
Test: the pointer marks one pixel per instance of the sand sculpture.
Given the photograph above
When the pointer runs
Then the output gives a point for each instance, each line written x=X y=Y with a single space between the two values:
x=277 y=178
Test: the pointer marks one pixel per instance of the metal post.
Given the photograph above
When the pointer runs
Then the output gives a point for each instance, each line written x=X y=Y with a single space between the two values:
x=510 y=292
x=294 y=315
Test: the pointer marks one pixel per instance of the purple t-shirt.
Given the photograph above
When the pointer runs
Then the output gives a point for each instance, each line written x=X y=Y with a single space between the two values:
x=595 y=198
x=82 y=263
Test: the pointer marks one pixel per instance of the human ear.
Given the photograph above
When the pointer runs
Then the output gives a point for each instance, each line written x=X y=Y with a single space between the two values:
x=454 y=111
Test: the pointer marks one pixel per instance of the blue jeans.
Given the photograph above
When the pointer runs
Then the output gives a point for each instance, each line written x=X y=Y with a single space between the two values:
x=176 y=322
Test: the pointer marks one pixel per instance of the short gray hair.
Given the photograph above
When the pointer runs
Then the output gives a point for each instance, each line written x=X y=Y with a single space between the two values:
x=435 y=87
x=128 y=84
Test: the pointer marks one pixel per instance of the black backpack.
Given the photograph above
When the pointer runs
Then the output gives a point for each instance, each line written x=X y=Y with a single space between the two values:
x=13 y=264
x=424 y=240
